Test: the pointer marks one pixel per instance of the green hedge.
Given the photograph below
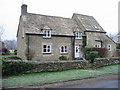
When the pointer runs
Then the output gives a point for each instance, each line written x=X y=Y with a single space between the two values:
x=12 y=67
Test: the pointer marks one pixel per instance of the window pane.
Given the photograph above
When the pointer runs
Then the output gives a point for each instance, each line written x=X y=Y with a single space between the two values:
x=62 y=49
x=46 y=33
x=78 y=35
x=44 y=46
x=44 y=50
x=65 y=48
x=48 y=50
x=48 y=47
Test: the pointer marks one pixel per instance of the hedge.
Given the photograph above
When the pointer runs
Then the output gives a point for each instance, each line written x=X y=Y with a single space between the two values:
x=12 y=67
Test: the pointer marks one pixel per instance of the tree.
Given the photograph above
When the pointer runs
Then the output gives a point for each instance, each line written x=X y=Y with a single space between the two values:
x=10 y=44
x=1 y=32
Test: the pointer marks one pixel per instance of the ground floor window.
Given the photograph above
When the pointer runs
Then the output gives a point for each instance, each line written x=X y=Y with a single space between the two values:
x=63 y=49
x=46 y=48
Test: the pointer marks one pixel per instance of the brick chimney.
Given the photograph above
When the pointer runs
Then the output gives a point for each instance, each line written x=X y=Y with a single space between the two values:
x=23 y=9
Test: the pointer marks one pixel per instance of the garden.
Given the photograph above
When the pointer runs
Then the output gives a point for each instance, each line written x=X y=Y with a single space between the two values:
x=41 y=78
x=20 y=73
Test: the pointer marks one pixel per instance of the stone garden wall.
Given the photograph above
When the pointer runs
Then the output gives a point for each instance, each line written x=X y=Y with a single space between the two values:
x=59 y=65
x=98 y=62
x=11 y=67
x=72 y=64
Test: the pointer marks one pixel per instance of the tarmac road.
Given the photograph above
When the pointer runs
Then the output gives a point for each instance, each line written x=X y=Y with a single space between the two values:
x=98 y=84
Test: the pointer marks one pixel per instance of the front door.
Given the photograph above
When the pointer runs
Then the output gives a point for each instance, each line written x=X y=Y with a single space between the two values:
x=77 y=51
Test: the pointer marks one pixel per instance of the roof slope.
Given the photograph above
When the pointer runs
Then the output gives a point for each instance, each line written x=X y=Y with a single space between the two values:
x=89 y=23
x=34 y=23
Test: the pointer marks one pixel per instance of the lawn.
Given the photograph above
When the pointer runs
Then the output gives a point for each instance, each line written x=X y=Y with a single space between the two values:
x=51 y=77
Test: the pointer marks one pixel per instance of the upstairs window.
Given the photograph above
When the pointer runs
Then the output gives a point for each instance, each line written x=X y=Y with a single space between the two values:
x=46 y=48
x=78 y=35
x=63 y=49
x=109 y=47
x=46 y=33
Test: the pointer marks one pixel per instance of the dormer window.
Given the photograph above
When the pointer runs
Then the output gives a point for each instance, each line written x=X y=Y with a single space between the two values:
x=46 y=33
x=78 y=35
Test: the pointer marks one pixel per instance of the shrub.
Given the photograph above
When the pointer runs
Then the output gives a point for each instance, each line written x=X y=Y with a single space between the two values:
x=5 y=51
x=15 y=51
x=101 y=51
x=10 y=67
x=91 y=52
x=118 y=46
x=92 y=55
x=62 y=58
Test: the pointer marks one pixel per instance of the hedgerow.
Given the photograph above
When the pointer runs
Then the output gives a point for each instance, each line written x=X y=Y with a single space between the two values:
x=12 y=67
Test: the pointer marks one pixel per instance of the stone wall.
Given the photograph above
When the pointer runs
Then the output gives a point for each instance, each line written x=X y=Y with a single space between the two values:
x=59 y=65
x=98 y=62
x=72 y=64
x=11 y=67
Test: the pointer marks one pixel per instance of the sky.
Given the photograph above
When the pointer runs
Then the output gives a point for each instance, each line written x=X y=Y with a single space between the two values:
x=104 y=11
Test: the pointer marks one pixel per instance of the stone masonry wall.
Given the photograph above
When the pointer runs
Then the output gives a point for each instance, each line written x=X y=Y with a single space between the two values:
x=98 y=62
x=25 y=66
x=59 y=65
x=72 y=64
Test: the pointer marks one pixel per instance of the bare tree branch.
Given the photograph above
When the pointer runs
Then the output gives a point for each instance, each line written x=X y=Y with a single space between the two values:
x=1 y=31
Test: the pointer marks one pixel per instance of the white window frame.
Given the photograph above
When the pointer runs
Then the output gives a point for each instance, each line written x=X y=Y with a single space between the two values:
x=109 y=47
x=47 y=49
x=46 y=33
x=63 y=49
x=98 y=46
x=78 y=35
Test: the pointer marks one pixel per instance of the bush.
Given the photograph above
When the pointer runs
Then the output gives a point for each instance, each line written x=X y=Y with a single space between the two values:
x=10 y=67
x=90 y=54
x=118 y=46
x=5 y=51
x=62 y=58
x=103 y=52
x=15 y=51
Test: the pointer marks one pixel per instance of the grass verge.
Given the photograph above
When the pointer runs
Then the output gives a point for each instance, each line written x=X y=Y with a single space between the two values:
x=51 y=77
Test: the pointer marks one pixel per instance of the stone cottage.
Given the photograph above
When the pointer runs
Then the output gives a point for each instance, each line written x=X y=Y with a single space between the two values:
x=43 y=37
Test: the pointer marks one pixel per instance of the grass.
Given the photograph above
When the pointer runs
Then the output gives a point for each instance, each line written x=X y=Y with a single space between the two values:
x=51 y=77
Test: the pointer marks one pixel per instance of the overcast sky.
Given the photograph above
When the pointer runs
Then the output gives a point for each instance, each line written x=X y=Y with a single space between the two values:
x=104 y=11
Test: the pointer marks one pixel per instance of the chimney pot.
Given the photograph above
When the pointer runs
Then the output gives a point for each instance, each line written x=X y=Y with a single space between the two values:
x=23 y=9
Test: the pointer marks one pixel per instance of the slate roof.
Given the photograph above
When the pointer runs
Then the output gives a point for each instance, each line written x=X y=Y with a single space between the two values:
x=34 y=23
x=89 y=23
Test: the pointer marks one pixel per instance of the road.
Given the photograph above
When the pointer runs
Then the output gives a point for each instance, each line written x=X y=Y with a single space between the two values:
x=98 y=84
